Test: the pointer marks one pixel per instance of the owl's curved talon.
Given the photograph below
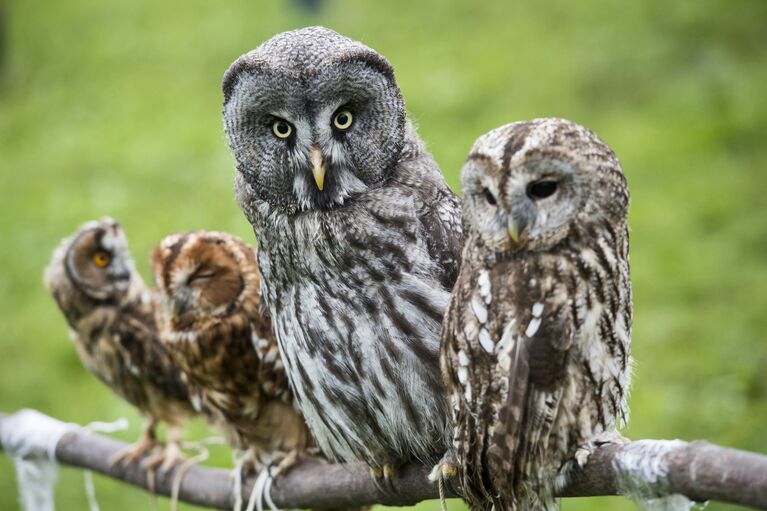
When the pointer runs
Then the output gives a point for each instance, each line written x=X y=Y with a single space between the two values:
x=383 y=477
x=128 y=455
x=166 y=460
x=379 y=480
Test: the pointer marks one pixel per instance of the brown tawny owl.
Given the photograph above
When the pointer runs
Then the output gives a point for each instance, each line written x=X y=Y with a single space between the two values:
x=221 y=337
x=535 y=351
x=112 y=325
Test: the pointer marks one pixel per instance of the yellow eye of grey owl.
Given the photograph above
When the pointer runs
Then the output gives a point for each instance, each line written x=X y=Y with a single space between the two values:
x=101 y=258
x=282 y=129
x=343 y=120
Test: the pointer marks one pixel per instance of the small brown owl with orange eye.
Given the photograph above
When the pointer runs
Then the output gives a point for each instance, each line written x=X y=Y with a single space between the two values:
x=219 y=334
x=111 y=315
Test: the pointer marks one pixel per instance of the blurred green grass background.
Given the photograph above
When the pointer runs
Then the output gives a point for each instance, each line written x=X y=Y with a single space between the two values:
x=113 y=107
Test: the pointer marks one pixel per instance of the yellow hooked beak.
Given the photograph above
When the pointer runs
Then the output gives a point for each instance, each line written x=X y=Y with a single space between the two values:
x=318 y=167
x=513 y=229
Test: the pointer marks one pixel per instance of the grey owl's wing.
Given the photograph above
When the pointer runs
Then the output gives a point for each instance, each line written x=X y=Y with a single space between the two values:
x=536 y=377
x=440 y=218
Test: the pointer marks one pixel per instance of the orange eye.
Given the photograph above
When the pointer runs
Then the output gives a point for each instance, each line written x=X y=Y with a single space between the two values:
x=101 y=258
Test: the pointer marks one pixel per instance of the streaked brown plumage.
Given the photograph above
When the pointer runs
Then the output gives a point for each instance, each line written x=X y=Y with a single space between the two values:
x=536 y=339
x=220 y=336
x=112 y=325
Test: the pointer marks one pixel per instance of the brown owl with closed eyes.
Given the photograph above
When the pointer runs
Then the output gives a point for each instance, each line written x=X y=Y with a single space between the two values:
x=111 y=315
x=220 y=336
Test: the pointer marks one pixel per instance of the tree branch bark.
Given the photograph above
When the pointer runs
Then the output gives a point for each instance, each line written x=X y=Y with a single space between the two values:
x=644 y=468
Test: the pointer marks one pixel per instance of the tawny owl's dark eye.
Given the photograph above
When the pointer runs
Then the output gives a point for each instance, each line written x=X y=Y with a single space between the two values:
x=343 y=120
x=542 y=189
x=489 y=197
x=102 y=258
x=282 y=129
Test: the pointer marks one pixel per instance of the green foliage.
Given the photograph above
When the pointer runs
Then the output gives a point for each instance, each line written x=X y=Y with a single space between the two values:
x=113 y=107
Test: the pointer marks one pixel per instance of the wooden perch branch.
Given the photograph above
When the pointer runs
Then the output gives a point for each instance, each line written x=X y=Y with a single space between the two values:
x=648 y=468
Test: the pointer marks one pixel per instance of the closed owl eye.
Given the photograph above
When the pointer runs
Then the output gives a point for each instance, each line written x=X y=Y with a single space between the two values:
x=201 y=274
x=282 y=128
x=489 y=197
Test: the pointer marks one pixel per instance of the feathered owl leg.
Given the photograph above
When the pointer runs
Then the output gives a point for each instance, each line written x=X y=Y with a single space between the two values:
x=146 y=442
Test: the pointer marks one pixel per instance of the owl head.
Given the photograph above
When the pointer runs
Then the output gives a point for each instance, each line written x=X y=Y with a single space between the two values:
x=92 y=267
x=203 y=277
x=528 y=185
x=312 y=118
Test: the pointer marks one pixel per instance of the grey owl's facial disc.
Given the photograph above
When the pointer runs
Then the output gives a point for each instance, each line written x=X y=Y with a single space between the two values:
x=525 y=184
x=306 y=78
x=98 y=261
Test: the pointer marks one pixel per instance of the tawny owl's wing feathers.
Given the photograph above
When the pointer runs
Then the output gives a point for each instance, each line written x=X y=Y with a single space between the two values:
x=538 y=347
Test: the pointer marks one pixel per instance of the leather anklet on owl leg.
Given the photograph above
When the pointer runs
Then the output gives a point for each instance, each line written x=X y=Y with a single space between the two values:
x=202 y=454
x=266 y=478
x=258 y=494
x=235 y=477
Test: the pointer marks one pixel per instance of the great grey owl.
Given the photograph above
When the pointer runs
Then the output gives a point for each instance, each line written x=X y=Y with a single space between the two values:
x=112 y=325
x=536 y=339
x=213 y=325
x=359 y=241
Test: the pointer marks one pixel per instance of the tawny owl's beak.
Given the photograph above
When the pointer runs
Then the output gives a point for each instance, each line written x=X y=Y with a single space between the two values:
x=179 y=307
x=513 y=229
x=318 y=167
